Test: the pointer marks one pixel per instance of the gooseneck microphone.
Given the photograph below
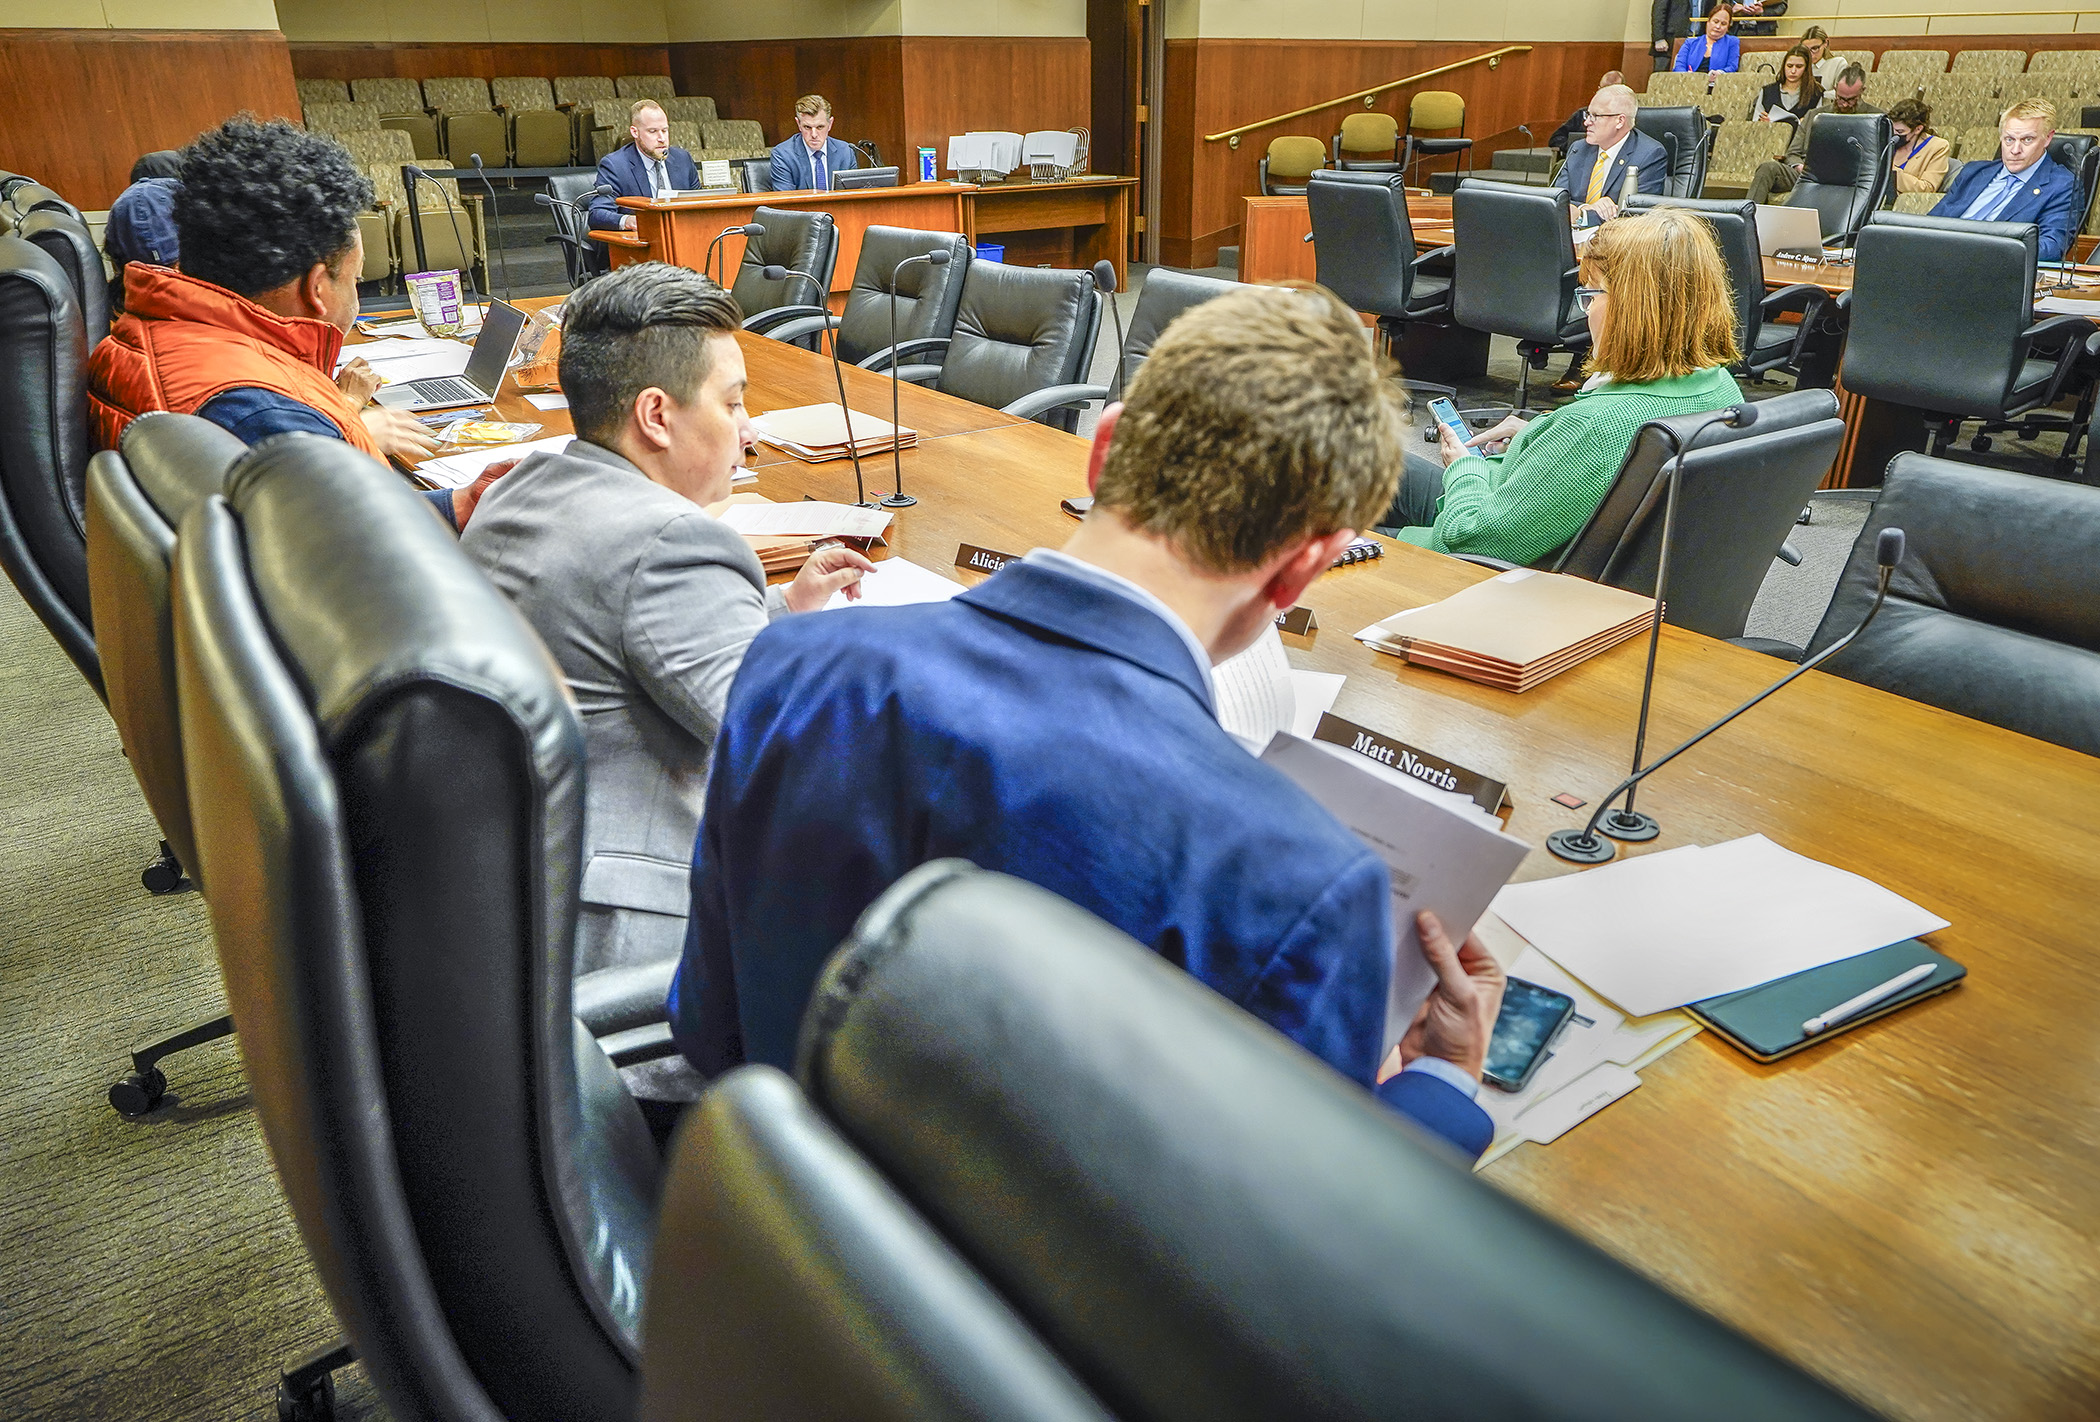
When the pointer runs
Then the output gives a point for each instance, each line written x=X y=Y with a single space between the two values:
x=707 y=267
x=502 y=256
x=897 y=498
x=1105 y=283
x=1630 y=824
x=1670 y=144
x=1586 y=846
x=464 y=255
x=776 y=272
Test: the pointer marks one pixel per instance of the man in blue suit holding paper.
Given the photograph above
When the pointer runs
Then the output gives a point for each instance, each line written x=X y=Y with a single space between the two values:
x=647 y=167
x=2024 y=185
x=1058 y=723
x=810 y=158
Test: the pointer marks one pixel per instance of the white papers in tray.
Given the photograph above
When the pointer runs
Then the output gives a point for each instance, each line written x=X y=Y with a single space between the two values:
x=897 y=583
x=806 y=518
x=1686 y=924
x=458 y=470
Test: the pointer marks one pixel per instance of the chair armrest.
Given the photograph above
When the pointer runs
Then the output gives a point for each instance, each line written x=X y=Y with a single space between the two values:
x=766 y=320
x=1789 y=555
x=1481 y=560
x=1441 y=254
x=889 y=355
x=1801 y=297
x=639 y=1044
x=2072 y=331
x=918 y=374
x=802 y=326
x=1054 y=397
x=616 y=999
x=1785 y=651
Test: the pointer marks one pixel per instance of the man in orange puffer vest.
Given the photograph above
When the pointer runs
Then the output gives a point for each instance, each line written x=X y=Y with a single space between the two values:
x=247 y=334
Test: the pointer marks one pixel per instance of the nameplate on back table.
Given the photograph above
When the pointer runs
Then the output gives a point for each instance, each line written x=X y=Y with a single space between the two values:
x=1299 y=621
x=1490 y=795
x=982 y=560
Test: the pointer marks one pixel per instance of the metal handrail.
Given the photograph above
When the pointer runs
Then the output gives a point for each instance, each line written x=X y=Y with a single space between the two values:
x=1491 y=55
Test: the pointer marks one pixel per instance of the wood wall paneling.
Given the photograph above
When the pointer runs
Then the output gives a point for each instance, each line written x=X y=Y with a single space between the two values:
x=953 y=84
x=761 y=79
x=1216 y=84
x=321 y=59
x=89 y=102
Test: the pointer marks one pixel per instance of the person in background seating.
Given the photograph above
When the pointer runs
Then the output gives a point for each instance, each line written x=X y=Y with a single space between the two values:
x=1790 y=96
x=1565 y=136
x=141 y=228
x=646 y=166
x=1822 y=63
x=1919 y=163
x=2024 y=184
x=1610 y=152
x=1714 y=50
x=1778 y=175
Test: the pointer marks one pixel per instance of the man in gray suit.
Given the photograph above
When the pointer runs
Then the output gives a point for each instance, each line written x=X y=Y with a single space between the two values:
x=647 y=601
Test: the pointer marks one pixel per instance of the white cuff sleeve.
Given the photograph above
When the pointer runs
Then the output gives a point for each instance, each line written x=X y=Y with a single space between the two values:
x=1449 y=1072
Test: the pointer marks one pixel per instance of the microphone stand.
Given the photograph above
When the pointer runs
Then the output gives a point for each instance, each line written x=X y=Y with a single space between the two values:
x=502 y=255
x=464 y=255
x=1584 y=846
x=748 y=229
x=1105 y=283
x=780 y=273
x=1630 y=824
x=897 y=498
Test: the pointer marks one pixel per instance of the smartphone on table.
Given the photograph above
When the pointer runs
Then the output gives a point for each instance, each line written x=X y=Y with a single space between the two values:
x=1446 y=414
x=1532 y=1016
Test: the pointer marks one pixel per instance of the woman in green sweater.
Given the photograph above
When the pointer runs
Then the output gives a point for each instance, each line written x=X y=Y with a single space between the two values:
x=1662 y=328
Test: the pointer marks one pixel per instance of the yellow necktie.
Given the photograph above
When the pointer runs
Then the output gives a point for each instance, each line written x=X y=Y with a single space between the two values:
x=1596 y=180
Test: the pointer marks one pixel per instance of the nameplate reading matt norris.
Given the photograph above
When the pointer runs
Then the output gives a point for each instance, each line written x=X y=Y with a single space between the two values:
x=1490 y=795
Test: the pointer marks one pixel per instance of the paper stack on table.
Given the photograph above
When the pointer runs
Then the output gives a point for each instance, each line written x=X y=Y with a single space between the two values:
x=1514 y=630
x=818 y=432
x=804 y=518
x=456 y=471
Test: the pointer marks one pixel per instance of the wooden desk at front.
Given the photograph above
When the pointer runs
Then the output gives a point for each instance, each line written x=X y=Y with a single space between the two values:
x=1074 y=223
x=1911 y=1211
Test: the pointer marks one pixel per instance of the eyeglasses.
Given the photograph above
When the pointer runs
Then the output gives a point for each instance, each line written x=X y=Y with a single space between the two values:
x=1599 y=115
x=1584 y=295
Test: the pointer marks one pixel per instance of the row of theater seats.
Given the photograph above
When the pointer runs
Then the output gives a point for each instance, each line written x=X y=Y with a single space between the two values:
x=524 y=121
x=322 y=697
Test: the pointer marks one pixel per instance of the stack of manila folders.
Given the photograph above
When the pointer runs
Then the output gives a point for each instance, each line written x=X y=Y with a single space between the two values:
x=818 y=432
x=1515 y=630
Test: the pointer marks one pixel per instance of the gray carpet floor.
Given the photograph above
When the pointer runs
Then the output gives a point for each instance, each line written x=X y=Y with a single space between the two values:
x=150 y=1268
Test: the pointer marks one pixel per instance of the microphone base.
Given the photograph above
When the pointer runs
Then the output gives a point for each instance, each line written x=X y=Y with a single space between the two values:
x=898 y=501
x=1629 y=825
x=1579 y=848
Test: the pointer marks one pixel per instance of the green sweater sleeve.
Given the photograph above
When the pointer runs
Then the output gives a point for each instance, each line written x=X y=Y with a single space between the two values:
x=1537 y=496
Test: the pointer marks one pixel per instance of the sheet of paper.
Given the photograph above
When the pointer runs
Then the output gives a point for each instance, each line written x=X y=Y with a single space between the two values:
x=410 y=326
x=1439 y=859
x=806 y=518
x=1662 y=930
x=897 y=582
x=1313 y=696
x=555 y=401
x=1254 y=692
x=450 y=359
x=457 y=470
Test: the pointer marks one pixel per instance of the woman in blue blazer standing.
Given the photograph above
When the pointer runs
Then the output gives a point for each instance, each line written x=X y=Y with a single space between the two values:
x=1714 y=52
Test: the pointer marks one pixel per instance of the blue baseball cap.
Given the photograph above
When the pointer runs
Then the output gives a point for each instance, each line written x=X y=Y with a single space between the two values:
x=142 y=224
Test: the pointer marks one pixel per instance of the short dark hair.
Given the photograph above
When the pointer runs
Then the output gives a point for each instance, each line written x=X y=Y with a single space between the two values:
x=643 y=325
x=1913 y=114
x=262 y=202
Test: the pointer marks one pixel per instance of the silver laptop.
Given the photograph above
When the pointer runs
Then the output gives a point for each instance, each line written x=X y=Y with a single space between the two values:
x=1788 y=229
x=493 y=349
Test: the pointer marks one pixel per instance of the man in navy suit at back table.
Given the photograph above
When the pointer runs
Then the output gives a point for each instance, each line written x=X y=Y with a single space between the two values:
x=810 y=158
x=2024 y=185
x=1610 y=149
x=647 y=167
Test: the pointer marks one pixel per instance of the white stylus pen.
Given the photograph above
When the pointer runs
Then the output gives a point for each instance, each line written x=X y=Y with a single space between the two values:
x=1866 y=999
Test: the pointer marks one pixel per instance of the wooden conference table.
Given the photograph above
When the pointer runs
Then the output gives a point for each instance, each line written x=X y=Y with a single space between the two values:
x=1074 y=223
x=1911 y=1211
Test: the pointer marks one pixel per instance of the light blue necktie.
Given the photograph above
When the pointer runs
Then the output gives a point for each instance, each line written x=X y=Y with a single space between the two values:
x=1995 y=198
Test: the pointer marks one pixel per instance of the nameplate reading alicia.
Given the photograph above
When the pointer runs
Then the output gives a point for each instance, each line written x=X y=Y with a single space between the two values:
x=982 y=560
x=1490 y=795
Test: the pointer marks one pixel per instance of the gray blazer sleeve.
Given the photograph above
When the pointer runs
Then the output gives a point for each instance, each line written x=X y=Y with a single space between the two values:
x=697 y=598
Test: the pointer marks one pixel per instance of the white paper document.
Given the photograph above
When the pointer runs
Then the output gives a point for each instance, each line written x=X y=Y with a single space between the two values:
x=1255 y=697
x=450 y=358
x=555 y=401
x=1439 y=859
x=806 y=518
x=458 y=470
x=897 y=583
x=1685 y=924
x=1313 y=695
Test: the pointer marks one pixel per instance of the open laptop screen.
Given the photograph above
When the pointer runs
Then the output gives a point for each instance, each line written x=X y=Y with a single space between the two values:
x=500 y=330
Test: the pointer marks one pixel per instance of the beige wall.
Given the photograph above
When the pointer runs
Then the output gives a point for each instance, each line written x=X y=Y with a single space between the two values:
x=473 y=21
x=1830 y=14
x=138 y=14
x=839 y=19
x=1002 y=18
x=1508 y=21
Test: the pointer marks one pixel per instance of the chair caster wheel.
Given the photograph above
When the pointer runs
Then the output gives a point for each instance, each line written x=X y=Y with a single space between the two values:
x=314 y=1404
x=138 y=1093
x=1980 y=445
x=161 y=879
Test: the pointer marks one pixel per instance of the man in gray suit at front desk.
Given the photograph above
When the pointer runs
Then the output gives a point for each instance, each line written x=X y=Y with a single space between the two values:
x=647 y=601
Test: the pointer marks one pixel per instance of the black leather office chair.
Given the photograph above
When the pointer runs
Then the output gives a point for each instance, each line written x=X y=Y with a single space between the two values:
x=2080 y=153
x=757 y=174
x=1994 y=611
x=1364 y=245
x=44 y=447
x=928 y=298
x=69 y=243
x=1766 y=343
x=1688 y=138
x=581 y=258
x=1035 y=1171
x=1514 y=271
x=386 y=787
x=1020 y=331
x=25 y=198
x=1847 y=177
x=1166 y=294
x=801 y=241
x=1972 y=352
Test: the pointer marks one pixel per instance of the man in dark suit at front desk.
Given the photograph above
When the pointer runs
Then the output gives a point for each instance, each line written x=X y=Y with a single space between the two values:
x=1058 y=723
x=810 y=158
x=1610 y=151
x=647 y=167
x=2024 y=185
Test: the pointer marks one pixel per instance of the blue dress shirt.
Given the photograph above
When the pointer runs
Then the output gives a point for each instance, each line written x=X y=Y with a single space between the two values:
x=252 y=414
x=1993 y=199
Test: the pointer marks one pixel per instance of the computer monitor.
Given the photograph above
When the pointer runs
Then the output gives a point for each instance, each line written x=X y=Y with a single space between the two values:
x=848 y=179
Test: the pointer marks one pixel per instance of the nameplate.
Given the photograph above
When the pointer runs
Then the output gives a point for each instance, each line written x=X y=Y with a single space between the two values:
x=1299 y=621
x=1490 y=795
x=982 y=560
